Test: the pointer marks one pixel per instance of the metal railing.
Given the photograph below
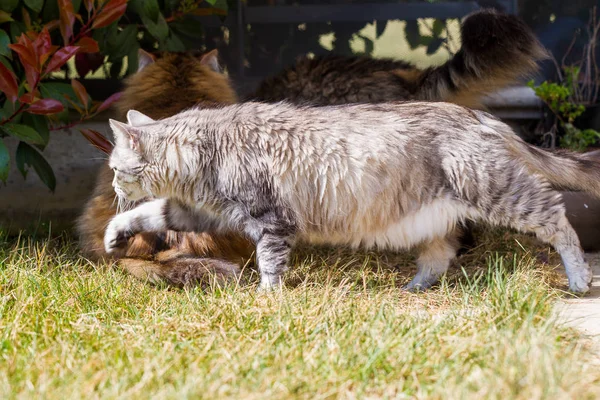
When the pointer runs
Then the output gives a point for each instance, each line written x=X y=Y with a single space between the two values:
x=245 y=15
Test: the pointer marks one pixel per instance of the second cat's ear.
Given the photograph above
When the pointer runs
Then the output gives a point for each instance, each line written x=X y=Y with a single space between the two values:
x=144 y=59
x=136 y=118
x=211 y=60
x=125 y=135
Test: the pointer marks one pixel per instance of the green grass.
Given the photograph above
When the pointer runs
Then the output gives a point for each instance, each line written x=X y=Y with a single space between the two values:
x=341 y=328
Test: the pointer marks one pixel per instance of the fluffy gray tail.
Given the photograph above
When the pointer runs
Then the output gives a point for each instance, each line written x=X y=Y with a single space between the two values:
x=563 y=169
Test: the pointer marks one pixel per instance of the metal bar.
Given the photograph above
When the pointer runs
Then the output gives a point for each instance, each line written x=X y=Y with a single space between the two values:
x=357 y=12
x=240 y=39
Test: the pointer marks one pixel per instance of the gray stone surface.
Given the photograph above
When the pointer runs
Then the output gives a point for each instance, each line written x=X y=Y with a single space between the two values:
x=24 y=202
x=584 y=313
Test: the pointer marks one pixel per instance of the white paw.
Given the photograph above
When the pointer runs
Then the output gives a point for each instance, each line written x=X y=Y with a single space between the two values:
x=269 y=283
x=580 y=282
x=117 y=234
x=421 y=282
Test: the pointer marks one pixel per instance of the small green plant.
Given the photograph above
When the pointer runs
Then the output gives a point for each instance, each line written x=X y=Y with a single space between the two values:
x=559 y=99
x=578 y=87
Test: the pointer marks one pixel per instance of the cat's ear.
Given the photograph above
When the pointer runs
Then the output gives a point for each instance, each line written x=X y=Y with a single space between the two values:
x=211 y=60
x=144 y=59
x=136 y=118
x=125 y=135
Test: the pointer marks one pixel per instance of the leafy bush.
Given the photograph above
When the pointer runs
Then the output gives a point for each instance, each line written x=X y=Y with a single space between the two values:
x=39 y=38
x=578 y=88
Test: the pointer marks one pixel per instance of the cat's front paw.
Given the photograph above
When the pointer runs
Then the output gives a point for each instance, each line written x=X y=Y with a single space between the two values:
x=269 y=283
x=117 y=234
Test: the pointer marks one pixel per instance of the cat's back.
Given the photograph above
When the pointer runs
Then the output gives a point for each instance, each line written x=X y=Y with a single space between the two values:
x=337 y=79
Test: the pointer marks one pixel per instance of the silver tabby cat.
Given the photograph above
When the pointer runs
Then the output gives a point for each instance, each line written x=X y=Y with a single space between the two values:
x=390 y=175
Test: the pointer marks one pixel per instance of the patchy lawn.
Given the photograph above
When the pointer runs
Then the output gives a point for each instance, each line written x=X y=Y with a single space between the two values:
x=342 y=328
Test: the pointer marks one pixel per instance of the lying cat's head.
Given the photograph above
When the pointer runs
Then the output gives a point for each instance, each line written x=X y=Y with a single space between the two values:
x=167 y=83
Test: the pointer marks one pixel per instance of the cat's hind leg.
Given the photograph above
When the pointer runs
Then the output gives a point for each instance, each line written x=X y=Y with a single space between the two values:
x=560 y=234
x=536 y=208
x=433 y=261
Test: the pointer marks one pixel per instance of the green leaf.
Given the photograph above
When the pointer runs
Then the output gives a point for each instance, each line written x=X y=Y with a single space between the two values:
x=23 y=132
x=132 y=60
x=4 y=162
x=27 y=155
x=7 y=64
x=220 y=4
x=4 y=42
x=8 y=5
x=57 y=90
x=187 y=26
x=380 y=28
x=40 y=124
x=115 y=68
x=50 y=11
x=438 y=27
x=7 y=109
x=16 y=28
x=35 y=5
x=118 y=45
x=413 y=36
x=158 y=29
x=434 y=45
x=174 y=44
x=147 y=8
x=369 y=44
x=171 y=5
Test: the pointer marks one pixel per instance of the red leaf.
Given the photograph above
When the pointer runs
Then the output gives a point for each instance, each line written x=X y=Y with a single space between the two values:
x=32 y=77
x=26 y=53
x=109 y=102
x=86 y=62
x=8 y=83
x=52 y=25
x=60 y=58
x=88 y=45
x=26 y=18
x=43 y=46
x=44 y=57
x=67 y=19
x=97 y=140
x=110 y=13
x=27 y=98
x=89 y=5
x=43 y=43
x=46 y=106
x=80 y=92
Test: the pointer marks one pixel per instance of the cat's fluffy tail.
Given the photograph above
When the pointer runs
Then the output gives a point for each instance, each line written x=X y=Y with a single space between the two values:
x=497 y=51
x=175 y=269
x=563 y=169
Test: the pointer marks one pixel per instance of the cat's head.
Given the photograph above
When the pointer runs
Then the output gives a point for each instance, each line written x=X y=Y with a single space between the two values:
x=167 y=83
x=134 y=158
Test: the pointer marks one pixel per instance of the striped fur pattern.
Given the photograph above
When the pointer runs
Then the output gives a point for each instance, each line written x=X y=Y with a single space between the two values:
x=162 y=87
x=497 y=50
x=391 y=175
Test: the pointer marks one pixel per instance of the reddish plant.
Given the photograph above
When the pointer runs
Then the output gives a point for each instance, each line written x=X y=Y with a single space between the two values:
x=38 y=39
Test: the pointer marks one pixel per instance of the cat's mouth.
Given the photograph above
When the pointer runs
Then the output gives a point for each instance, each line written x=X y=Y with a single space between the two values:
x=130 y=196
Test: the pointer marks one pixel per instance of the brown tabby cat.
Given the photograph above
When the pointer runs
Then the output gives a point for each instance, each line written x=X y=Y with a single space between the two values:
x=497 y=50
x=163 y=87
